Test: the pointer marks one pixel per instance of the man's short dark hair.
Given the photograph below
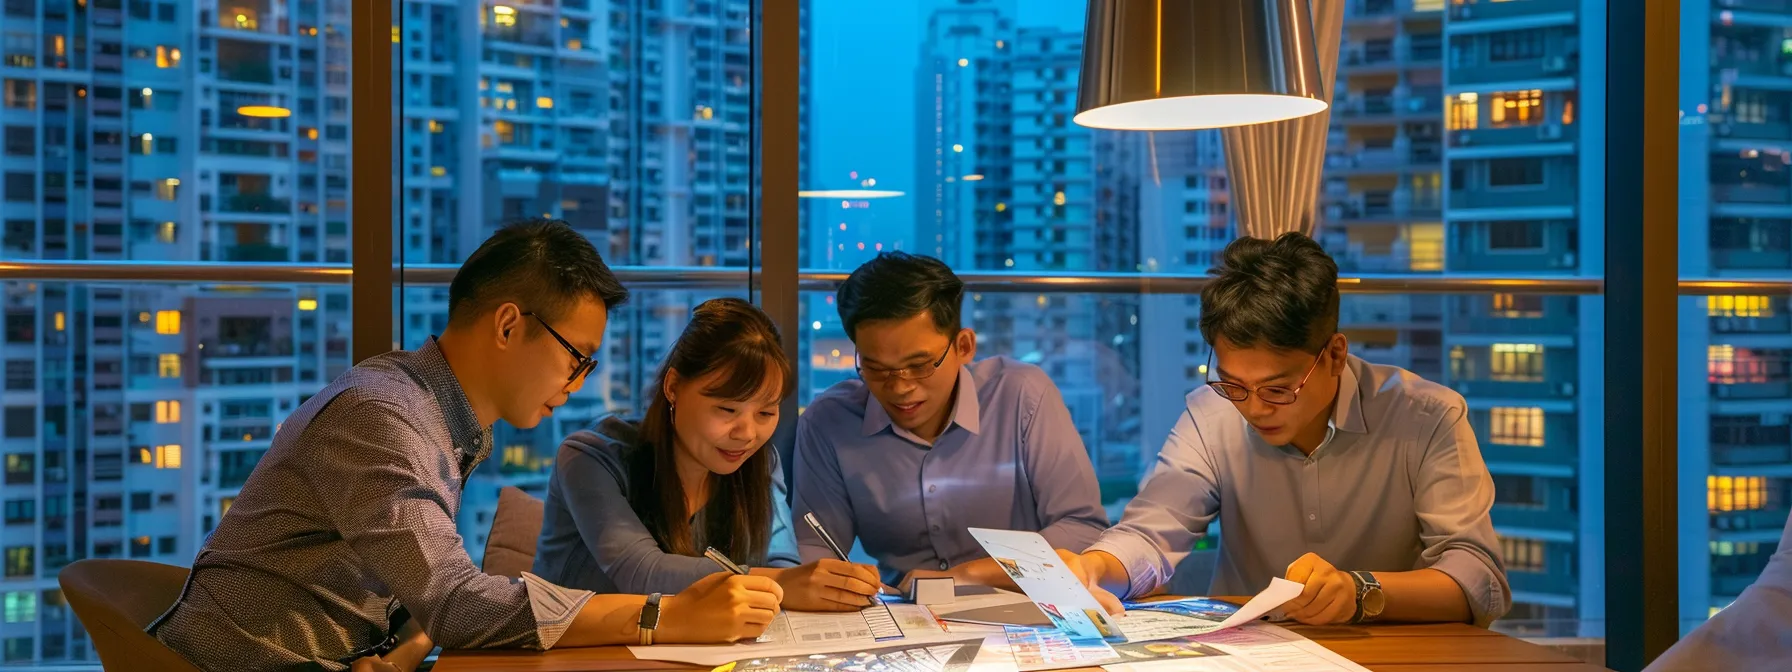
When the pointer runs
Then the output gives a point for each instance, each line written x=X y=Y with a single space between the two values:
x=542 y=265
x=1281 y=294
x=899 y=286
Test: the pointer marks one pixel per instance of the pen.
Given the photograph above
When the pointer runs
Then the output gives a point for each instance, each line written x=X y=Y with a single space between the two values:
x=815 y=524
x=723 y=560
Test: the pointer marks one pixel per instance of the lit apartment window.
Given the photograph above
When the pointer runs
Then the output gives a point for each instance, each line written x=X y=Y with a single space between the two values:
x=1738 y=306
x=1516 y=108
x=506 y=132
x=167 y=412
x=167 y=321
x=1729 y=365
x=1517 y=305
x=168 y=189
x=224 y=505
x=503 y=16
x=21 y=606
x=167 y=57
x=1509 y=426
x=1735 y=493
x=1521 y=554
x=168 y=457
x=1730 y=548
x=1516 y=362
x=516 y=456
x=165 y=232
x=168 y=365
x=1464 y=111
x=20 y=561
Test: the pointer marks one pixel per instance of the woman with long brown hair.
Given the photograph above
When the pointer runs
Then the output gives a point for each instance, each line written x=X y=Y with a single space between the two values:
x=632 y=504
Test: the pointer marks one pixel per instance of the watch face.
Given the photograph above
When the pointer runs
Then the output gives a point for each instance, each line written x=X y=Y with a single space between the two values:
x=1373 y=602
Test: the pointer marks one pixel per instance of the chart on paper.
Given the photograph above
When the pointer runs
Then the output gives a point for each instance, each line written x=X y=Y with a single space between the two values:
x=875 y=623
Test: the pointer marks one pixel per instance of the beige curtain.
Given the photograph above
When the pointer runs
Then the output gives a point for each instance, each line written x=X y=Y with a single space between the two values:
x=1274 y=168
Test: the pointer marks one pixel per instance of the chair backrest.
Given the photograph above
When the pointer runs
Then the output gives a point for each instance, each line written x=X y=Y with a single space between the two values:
x=510 y=546
x=116 y=600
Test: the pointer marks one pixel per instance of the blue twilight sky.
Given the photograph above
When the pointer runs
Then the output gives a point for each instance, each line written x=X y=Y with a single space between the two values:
x=864 y=55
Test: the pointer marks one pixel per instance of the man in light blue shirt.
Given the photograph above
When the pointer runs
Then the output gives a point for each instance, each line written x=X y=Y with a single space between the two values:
x=927 y=443
x=1753 y=633
x=1359 y=481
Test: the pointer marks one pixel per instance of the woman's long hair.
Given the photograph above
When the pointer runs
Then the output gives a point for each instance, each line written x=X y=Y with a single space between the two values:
x=733 y=337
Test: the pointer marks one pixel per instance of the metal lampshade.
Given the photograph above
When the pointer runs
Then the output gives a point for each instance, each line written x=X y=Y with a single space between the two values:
x=1158 y=65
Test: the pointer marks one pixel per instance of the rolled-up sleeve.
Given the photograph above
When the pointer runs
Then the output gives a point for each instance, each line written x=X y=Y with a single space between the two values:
x=1065 y=491
x=1453 y=497
x=392 y=509
x=1171 y=512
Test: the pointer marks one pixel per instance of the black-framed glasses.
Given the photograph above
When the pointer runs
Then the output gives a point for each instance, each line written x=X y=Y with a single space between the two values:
x=1270 y=394
x=911 y=373
x=582 y=364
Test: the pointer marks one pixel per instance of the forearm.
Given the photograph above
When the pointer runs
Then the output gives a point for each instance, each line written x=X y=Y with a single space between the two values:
x=1423 y=596
x=413 y=646
x=1108 y=572
x=608 y=620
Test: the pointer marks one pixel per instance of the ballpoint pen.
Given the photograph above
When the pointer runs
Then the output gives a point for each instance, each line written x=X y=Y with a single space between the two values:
x=815 y=524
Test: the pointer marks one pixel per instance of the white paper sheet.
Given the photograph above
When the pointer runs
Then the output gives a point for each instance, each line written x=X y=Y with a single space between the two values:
x=1028 y=559
x=1254 y=647
x=800 y=633
x=1143 y=625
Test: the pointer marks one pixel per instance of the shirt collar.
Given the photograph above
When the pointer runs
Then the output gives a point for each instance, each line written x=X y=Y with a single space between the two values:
x=431 y=368
x=1347 y=411
x=966 y=412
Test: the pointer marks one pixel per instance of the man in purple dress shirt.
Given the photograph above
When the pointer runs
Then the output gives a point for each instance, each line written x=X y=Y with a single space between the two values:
x=926 y=443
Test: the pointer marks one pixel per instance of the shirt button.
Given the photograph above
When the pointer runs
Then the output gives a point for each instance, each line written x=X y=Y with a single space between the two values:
x=944 y=566
x=1312 y=517
x=936 y=528
x=932 y=488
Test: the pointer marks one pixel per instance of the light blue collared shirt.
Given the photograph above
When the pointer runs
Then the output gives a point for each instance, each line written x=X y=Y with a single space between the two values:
x=1397 y=485
x=1009 y=459
x=1753 y=633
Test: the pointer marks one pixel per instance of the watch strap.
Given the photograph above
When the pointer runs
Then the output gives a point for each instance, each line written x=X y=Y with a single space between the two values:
x=650 y=619
x=1365 y=582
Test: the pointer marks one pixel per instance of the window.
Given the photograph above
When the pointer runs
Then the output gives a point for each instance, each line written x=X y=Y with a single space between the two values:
x=21 y=422
x=1517 y=362
x=142 y=501
x=1516 y=108
x=21 y=469
x=1515 y=236
x=1465 y=109
x=1523 y=172
x=1735 y=493
x=21 y=606
x=21 y=375
x=1520 y=491
x=1515 y=45
x=21 y=141
x=20 y=561
x=21 y=187
x=1517 y=305
x=1521 y=554
x=167 y=412
x=167 y=457
x=1515 y=426
x=168 y=322
x=168 y=365
x=1739 y=306
x=1729 y=365
x=21 y=511
x=20 y=94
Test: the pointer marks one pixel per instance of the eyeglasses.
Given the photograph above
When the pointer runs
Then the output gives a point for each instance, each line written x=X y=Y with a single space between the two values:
x=912 y=373
x=581 y=364
x=1270 y=394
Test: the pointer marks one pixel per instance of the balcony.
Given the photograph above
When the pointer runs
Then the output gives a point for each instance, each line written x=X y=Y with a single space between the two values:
x=1561 y=445
x=1536 y=517
x=1742 y=130
x=214 y=349
x=1378 y=9
x=1387 y=107
x=1548 y=67
x=1478 y=315
x=1381 y=206
x=1483 y=10
x=1552 y=193
x=1509 y=389
x=1547 y=583
x=257 y=252
x=1739 y=259
x=1751 y=455
x=257 y=204
x=1754 y=194
x=1780 y=323
x=248 y=72
x=1513 y=135
x=1768 y=390
x=1769 y=520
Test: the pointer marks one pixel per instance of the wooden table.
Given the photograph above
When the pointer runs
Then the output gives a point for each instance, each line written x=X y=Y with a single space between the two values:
x=1382 y=648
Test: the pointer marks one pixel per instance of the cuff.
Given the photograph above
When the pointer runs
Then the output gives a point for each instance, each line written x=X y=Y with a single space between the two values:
x=1144 y=571
x=1483 y=585
x=554 y=607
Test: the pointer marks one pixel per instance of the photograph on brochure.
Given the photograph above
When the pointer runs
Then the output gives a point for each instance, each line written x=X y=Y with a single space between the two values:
x=1028 y=559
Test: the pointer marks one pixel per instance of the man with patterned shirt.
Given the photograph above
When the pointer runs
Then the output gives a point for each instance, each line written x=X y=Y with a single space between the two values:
x=341 y=548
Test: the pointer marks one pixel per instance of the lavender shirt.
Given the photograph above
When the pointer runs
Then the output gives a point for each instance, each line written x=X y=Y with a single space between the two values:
x=1753 y=633
x=1009 y=459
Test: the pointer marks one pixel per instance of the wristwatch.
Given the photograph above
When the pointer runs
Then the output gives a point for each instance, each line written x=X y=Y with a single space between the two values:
x=650 y=619
x=1370 y=601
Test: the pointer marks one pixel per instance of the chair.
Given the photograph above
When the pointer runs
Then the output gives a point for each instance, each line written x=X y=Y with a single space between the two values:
x=116 y=600
x=510 y=546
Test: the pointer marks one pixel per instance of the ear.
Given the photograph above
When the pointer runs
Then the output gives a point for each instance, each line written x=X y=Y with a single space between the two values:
x=508 y=325
x=966 y=343
x=671 y=382
x=1340 y=352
